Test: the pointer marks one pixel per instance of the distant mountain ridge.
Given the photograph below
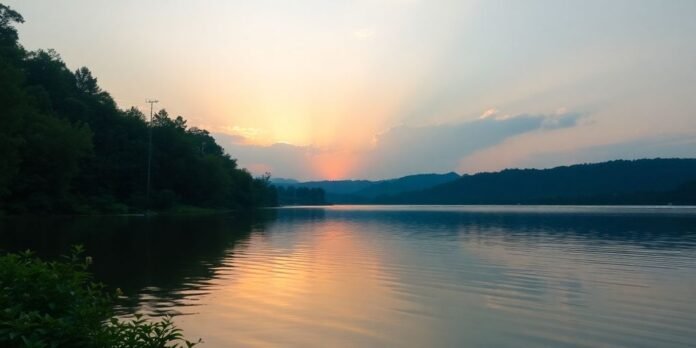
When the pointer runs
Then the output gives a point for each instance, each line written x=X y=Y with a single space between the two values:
x=364 y=191
x=646 y=181
x=284 y=181
x=406 y=184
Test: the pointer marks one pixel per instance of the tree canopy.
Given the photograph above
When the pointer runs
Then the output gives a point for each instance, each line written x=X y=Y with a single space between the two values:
x=65 y=146
x=645 y=181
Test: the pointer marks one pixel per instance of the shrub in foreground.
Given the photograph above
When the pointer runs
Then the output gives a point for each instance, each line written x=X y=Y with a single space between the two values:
x=57 y=304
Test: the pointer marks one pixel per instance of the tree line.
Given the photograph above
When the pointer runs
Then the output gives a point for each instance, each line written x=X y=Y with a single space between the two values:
x=291 y=195
x=645 y=181
x=65 y=146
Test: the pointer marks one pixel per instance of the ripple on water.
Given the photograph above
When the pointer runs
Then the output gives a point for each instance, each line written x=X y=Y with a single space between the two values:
x=445 y=277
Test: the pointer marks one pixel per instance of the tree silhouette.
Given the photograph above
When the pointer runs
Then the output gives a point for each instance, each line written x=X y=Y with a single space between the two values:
x=65 y=146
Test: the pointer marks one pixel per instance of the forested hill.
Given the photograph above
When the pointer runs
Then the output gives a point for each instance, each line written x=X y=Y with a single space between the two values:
x=65 y=146
x=647 y=181
x=364 y=191
x=405 y=184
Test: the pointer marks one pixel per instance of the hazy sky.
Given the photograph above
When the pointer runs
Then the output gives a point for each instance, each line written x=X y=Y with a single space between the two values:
x=384 y=88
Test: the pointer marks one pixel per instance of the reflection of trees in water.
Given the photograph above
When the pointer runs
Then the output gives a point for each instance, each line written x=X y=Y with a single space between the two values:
x=157 y=262
x=300 y=215
x=646 y=230
x=164 y=262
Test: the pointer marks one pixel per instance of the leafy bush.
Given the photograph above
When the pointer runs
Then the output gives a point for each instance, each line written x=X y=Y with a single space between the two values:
x=57 y=304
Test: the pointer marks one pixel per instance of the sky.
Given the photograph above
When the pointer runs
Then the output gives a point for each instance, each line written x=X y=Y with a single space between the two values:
x=378 y=89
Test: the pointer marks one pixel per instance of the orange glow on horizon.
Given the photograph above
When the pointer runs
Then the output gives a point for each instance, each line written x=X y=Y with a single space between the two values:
x=334 y=165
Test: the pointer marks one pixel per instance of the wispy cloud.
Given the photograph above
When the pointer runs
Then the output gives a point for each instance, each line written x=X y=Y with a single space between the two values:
x=439 y=148
x=400 y=150
x=489 y=113
x=364 y=34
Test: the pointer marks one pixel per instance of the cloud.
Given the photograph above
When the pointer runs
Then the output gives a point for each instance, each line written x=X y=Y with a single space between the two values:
x=398 y=151
x=364 y=34
x=439 y=148
x=280 y=159
x=527 y=152
x=247 y=132
x=489 y=113
x=667 y=146
x=229 y=140
x=557 y=121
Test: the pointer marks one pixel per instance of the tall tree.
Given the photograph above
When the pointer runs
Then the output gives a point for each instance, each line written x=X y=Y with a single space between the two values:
x=66 y=146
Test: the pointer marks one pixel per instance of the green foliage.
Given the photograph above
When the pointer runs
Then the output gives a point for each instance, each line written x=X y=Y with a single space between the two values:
x=12 y=97
x=140 y=332
x=266 y=193
x=645 y=181
x=66 y=147
x=8 y=34
x=50 y=160
x=56 y=304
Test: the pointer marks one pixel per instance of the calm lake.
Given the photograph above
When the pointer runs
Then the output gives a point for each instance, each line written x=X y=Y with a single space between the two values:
x=403 y=276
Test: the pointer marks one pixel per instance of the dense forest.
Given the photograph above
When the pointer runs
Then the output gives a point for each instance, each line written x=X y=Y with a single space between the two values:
x=65 y=146
x=365 y=191
x=291 y=195
x=647 y=181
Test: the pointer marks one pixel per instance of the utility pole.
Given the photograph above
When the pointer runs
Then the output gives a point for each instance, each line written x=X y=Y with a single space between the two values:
x=149 y=157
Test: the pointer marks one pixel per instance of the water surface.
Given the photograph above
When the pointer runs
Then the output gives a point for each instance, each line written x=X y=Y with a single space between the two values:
x=405 y=276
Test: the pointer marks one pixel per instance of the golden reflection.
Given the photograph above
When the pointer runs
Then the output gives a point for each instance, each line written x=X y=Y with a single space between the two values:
x=299 y=289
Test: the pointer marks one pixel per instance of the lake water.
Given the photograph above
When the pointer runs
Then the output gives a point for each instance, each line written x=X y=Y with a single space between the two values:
x=407 y=276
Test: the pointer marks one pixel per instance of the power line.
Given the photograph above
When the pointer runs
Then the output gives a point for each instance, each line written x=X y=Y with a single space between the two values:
x=149 y=156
